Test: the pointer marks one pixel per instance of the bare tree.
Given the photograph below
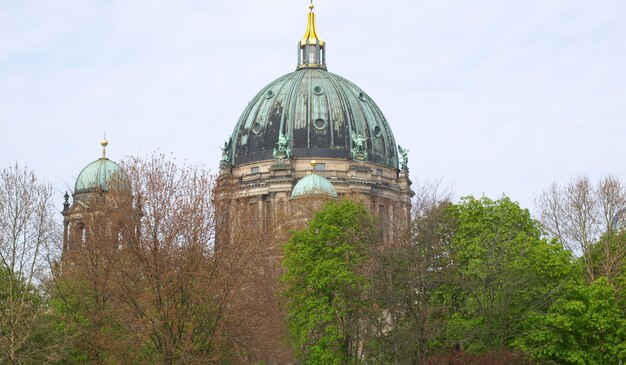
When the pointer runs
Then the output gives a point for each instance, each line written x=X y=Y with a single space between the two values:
x=579 y=214
x=146 y=286
x=169 y=286
x=250 y=255
x=405 y=275
x=27 y=231
x=611 y=197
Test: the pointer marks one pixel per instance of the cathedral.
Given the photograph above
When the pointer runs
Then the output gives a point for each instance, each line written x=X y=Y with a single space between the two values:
x=309 y=132
x=310 y=135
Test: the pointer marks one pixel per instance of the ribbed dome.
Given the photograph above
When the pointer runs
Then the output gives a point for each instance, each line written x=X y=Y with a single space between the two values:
x=313 y=185
x=98 y=175
x=320 y=113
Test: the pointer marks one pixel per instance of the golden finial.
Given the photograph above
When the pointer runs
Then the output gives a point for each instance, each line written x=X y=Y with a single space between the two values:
x=104 y=143
x=313 y=163
x=310 y=35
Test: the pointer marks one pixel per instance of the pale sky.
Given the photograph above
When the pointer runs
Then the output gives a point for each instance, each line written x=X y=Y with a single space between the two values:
x=494 y=97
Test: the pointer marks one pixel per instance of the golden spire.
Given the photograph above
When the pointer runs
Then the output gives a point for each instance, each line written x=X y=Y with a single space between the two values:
x=310 y=36
x=104 y=143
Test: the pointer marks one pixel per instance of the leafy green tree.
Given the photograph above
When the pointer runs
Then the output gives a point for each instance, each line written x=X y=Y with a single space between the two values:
x=498 y=357
x=326 y=284
x=504 y=270
x=13 y=286
x=583 y=326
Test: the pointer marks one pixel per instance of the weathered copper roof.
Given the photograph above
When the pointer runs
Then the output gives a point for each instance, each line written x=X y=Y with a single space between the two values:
x=313 y=184
x=97 y=176
x=320 y=113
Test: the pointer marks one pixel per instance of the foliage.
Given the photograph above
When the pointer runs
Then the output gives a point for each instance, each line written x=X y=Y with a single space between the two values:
x=406 y=277
x=26 y=233
x=605 y=257
x=325 y=283
x=85 y=313
x=503 y=270
x=467 y=283
x=579 y=213
x=486 y=358
x=12 y=286
x=583 y=326
x=144 y=283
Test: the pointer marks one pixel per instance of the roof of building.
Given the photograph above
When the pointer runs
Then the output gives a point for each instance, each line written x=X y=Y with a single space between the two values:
x=313 y=184
x=98 y=175
x=318 y=113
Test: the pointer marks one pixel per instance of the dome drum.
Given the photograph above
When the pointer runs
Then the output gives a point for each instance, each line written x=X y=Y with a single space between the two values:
x=265 y=177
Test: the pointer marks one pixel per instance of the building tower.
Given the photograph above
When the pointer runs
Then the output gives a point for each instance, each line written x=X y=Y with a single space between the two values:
x=312 y=114
x=90 y=211
x=267 y=183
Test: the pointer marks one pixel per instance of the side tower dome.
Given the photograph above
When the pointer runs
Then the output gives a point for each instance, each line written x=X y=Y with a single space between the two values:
x=97 y=175
x=91 y=200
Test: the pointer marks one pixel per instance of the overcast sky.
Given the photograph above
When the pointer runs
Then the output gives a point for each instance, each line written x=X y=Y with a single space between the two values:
x=494 y=97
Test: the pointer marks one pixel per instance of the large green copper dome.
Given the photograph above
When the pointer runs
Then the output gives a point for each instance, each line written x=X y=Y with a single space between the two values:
x=311 y=113
x=320 y=113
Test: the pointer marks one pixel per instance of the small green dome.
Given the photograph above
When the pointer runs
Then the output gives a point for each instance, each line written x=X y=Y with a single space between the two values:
x=97 y=175
x=313 y=185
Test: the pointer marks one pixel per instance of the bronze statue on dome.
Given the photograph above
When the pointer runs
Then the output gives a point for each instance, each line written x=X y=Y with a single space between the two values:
x=358 y=151
x=283 y=152
x=225 y=160
x=404 y=160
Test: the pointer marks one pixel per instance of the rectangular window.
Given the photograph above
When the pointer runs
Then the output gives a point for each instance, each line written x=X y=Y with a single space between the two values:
x=379 y=172
x=255 y=170
x=320 y=167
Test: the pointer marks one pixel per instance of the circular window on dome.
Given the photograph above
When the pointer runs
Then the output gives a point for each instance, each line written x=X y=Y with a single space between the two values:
x=318 y=90
x=256 y=128
x=362 y=96
x=269 y=94
x=319 y=123
x=377 y=131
